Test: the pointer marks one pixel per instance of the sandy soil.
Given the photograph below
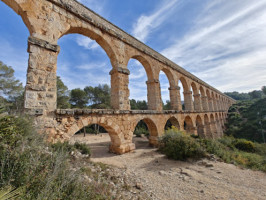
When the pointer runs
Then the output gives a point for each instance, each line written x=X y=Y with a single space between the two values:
x=162 y=178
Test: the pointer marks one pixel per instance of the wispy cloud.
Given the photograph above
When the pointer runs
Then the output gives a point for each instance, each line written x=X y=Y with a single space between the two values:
x=87 y=43
x=227 y=46
x=15 y=57
x=85 y=77
x=147 y=23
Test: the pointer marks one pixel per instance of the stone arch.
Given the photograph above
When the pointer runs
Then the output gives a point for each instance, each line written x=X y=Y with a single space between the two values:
x=184 y=83
x=188 y=102
x=218 y=125
x=210 y=100
x=213 y=126
x=165 y=82
x=202 y=91
x=204 y=99
x=197 y=97
x=222 y=120
x=145 y=63
x=213 y=101
x=188 y=125
x=108 y=125
x=218 y=98
x=17 y=8
x=173 y=121
x=169 y=76
x=152 y=128
x=107 y=47
x=200 y=127
x=194 y=88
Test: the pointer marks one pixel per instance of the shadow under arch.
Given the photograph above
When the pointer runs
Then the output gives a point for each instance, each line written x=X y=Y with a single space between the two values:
x=200 y=127
x=152 y=128
x=207 y=126
x=16 y=7
x=213 y=126
x=188 y=125
x=99 y=39
x=115 y=138
x=172 y=121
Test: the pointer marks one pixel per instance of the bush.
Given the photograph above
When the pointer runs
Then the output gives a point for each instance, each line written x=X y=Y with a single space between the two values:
x=84 y=149
x=141 y=131
x=244 y=145
x=179 y=146
x=26 y=160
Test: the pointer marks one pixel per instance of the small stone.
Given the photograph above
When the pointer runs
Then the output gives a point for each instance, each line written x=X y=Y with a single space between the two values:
x=138 y=186
x=162 y=173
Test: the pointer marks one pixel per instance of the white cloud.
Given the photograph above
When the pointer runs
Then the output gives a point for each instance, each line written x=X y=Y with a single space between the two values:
x=92 y=66
x=227 y=46
x=137 y=74
x=87 y=43
x=145 y=24
x=15 y=57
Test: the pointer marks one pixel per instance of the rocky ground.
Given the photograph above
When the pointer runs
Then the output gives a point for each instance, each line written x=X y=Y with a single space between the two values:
x=147 y=174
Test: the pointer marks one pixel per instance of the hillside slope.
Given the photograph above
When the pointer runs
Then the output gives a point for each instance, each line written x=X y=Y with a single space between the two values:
x=247 y=119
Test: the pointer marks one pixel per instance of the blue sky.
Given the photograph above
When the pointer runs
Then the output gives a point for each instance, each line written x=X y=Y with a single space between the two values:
x=222 y=42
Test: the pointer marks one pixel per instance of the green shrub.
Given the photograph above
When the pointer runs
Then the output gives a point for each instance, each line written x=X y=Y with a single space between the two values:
x=141 y=131
x=179 y=146
x=26 y=160
x=244 y=145
x=83 y=148
x=63 y=146
x=217 y=148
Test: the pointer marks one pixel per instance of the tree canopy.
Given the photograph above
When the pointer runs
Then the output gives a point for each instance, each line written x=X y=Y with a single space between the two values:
x=99 y=97
x=62 y=94
x=10 y=87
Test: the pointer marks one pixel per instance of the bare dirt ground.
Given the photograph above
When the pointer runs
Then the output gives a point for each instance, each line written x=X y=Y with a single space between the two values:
x=165 y=179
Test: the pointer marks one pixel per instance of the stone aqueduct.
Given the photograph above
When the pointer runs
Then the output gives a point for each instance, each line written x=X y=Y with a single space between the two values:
x=49 y=20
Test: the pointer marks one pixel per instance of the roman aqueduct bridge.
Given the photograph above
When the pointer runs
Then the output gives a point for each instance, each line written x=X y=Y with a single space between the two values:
x=49 y=20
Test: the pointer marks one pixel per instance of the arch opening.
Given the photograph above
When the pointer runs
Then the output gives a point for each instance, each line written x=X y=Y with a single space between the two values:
x=146 y=134
x=207 y=126
x=172 y=122
x=15 y=30
x=138 y=95
x=195 y=97
x=213 y=126
x=188 y=125
x=99 y=137
x=181 y=94
x=186 y=94
x=200 y=127
x=164 y=88
x=86 y=74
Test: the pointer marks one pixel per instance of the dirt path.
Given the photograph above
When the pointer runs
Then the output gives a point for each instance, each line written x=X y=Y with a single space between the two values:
x=166 y=179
